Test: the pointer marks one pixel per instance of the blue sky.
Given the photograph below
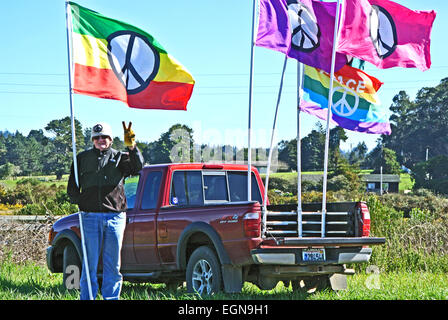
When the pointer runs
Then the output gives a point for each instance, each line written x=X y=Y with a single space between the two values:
x=210 y=38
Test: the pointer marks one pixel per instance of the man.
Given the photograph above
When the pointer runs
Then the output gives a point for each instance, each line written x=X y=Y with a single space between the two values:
x=101 y=199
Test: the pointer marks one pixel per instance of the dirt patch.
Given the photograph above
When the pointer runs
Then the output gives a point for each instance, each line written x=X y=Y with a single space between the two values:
x=24 y=241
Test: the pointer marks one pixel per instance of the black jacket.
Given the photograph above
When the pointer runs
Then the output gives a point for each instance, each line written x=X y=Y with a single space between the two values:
x=101 y=179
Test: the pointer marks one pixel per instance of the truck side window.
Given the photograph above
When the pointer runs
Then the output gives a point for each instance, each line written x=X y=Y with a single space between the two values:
x=151 y=191
x=130 y=190
x=215 y=188
x=186 y=188
x=238 y=187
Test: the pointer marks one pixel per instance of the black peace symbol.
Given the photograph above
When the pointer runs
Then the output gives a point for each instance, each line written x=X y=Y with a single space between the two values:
x=383 y=31
x=306 y=32
x=133 y=59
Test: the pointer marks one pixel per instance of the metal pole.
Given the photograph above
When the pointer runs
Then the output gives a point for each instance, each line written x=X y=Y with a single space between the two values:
x=381 y=180
x=299 y=149
x=249 y=133
x=327 y=139
x=75 y=163
x=273 y=134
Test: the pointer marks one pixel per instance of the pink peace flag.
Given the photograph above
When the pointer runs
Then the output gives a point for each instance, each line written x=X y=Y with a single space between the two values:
x=301 y=29
x=386 y=34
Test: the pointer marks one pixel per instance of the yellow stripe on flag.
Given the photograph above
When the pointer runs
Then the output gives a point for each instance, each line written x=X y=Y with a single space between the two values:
x=172 y=71
x=361 y=89
x=90 y=51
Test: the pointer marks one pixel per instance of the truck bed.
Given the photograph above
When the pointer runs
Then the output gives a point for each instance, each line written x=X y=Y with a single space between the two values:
x=342 y=225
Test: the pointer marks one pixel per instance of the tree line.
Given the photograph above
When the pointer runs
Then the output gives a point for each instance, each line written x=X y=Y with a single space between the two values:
x=419 y=142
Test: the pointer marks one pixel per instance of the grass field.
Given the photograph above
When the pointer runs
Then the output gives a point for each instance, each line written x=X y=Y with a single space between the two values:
x=33 y=282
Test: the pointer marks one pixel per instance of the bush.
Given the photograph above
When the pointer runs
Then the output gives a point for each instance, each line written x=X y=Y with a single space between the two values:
x=417 y=243
x=49 y=208
x=278 y=197
x=289 y=185
x=339 y=182
x=432 y=174
x=421 y=199
x=36 y=198
x=282 y=184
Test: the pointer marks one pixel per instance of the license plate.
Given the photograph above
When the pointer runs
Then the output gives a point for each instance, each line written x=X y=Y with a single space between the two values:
x=312 y=255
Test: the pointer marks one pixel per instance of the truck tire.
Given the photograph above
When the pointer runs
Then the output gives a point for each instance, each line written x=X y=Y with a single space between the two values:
x=204 y=272
x=71 y=268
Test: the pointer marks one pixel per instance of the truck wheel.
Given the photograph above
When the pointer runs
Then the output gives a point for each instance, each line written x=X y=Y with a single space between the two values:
x=71 y=268
x=204 y=272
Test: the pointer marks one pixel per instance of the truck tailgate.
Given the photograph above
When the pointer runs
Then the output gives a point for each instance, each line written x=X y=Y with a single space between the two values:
x=305 y=251
x=329 y=242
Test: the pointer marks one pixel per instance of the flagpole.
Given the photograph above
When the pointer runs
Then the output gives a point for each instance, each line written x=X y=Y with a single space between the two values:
x=249 y=133
x=299 y=148
x=72 y=117
x=327 y=137
x=272 y=136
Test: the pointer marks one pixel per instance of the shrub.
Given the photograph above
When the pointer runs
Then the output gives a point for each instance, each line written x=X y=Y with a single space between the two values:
x=32 y=197
x=48 y=208
x=417 y=243
x=339 y=182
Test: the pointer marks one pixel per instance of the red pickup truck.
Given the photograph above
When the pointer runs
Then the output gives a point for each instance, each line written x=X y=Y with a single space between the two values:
x=192 y=222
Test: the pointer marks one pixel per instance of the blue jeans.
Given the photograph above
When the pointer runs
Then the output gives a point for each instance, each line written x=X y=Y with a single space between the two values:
x=103 y=231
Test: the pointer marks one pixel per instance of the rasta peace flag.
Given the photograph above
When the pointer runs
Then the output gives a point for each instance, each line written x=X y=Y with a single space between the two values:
x=115 y=60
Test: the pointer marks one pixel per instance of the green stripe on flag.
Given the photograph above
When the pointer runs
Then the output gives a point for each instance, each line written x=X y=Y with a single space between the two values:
x=88 y=22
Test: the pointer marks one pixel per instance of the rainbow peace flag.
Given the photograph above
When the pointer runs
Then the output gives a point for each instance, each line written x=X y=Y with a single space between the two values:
x=115 y=60
x=355 y=105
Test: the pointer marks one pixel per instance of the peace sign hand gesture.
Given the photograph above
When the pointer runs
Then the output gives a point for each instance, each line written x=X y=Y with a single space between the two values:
x=129 y=136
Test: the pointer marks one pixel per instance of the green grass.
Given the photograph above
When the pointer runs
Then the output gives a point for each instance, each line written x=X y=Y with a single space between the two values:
x=33 y=282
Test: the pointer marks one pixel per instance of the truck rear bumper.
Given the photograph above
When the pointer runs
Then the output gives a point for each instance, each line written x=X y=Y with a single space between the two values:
x=294 y=256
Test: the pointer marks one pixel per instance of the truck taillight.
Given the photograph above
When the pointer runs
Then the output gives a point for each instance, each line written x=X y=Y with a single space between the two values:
x=251 y=223
x=364 y=220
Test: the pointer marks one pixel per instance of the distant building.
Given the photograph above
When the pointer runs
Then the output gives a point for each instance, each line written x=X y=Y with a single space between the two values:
x=372 y=182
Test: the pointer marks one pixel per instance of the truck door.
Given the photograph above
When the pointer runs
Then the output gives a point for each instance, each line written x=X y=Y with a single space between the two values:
x=127 y=251
x=145 y=235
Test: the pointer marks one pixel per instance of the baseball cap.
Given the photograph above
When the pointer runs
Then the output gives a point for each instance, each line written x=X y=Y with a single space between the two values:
x=101 y=129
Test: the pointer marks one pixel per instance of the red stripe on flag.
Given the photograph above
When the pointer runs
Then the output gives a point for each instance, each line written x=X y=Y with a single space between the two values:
x=103 y=83
x=162 y=95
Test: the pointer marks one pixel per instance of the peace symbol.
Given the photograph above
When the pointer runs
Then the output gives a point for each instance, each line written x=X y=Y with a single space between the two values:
x=306 y=31
x=382 y=31
x=342 y=107
x=134 y=60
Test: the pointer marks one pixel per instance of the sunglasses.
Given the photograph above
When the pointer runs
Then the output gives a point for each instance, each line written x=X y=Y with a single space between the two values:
x=102 y=137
